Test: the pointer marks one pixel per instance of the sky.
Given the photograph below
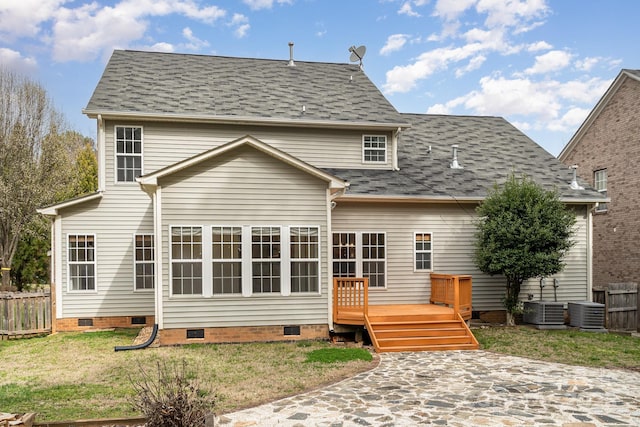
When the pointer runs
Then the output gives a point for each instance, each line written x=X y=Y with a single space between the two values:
x=541 y=64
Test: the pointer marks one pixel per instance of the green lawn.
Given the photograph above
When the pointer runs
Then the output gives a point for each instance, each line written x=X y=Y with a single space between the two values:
x=79 y=376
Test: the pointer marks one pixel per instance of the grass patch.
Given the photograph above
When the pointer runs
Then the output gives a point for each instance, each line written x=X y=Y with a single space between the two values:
x=70 y=376
x=569 y=346
x=334 y=355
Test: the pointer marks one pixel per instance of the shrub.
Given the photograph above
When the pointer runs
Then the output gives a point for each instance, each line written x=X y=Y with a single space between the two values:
x=172 y=396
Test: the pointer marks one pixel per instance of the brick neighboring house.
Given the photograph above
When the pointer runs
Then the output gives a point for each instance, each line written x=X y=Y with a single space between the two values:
x=606 y=149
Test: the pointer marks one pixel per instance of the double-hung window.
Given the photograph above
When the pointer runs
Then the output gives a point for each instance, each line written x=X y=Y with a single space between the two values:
x=144 y=261
x=265 y=254
x=186 y=260
x=128 y=153
x=600 y=182
x=226 y=254
x=305 y=259
x=358 y=254
x=82 y=262
x=422 y=250
x=374 y=149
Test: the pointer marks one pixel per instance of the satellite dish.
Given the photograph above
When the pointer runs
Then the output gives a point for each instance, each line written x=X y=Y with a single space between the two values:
x=357 y=53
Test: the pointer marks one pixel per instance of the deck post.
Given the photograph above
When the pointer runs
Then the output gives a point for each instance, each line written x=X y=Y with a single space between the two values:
x=456 y=294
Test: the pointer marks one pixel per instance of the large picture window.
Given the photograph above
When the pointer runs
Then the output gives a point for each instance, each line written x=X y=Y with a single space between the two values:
x=305 y=259
x=186 y=260
x=265 y=254
x=82 y=262
x=128 y=153
x=226 y=257
x=144 y=261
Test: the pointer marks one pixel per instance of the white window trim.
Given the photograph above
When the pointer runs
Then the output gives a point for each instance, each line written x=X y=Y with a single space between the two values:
x=225 y=260
x=415 y=252
x=95 y=265
x=316 y=260
x=386 y=146
x=601 y=207
x=136 y=262
x=247 y=262
x=360 y=260
x=206 y=280
x=115 y=153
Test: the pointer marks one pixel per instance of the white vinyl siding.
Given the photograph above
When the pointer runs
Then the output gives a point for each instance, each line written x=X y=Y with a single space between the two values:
x=166 y=144
x=128 y=148
x=82 y=262
x=248 y=189
x=452 y=252
x=143 y=251
x=121 y=213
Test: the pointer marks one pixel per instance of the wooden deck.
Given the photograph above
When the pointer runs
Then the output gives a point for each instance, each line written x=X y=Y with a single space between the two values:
x=403 y=327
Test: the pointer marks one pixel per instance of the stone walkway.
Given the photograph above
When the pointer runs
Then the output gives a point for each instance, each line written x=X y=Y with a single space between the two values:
x=460 y=388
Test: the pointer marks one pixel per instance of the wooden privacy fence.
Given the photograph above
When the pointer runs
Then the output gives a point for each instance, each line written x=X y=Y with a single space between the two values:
x=24 y=314
x=621 y=302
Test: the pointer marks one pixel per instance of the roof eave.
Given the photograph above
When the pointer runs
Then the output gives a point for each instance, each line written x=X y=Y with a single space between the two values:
x=53 y=210
x=241 y=120
x=449 y=199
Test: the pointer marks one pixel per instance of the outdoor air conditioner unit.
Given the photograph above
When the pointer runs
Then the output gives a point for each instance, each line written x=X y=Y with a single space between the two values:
x=544 y=314
x=587 y=316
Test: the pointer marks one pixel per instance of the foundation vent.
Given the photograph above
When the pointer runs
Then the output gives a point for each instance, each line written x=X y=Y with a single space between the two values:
x=292 y=330
x=85 y=322
x=195 y=333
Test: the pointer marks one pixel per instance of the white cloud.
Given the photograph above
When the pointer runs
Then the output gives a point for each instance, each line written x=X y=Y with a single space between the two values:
x=451 y=10
x=264 y=4
x=394 y=42
x=538 y=46
x=241 y=24
x=13 y=60
x=407 y=9
x=551 y=61
x=22 y=18
x=194 y=43
x=439 y=109
x=474 y=64
x=160 y=47
x=588 y=63
x=84 y=32
x=512 y=13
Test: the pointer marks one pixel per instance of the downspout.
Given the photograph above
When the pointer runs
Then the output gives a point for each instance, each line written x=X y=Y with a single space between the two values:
x=590 y=253
x=102 y=180
x=145 y=344
x=331 y=204
x=394 y=149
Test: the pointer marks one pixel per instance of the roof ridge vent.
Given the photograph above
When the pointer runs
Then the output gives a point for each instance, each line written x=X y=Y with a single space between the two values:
x=454 y=163
x=574 y=181
x=291 y=63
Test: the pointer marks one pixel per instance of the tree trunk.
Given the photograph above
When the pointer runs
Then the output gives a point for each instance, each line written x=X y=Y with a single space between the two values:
x=511 y=319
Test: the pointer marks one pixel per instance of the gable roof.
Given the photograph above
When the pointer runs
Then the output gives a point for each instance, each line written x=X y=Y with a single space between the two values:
x=54 y=210
x=490 y=149
x=602 y=103
x=150 y=181
x=168 y=86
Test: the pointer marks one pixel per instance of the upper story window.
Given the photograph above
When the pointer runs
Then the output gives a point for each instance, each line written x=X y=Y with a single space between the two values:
x=374 y=149
x=600 y=182
x=128 y=153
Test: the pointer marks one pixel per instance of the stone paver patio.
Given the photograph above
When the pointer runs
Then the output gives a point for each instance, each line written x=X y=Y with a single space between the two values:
x=460 y=388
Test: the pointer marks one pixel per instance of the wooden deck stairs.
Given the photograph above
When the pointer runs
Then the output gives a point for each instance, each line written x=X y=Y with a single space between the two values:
x=440 y=325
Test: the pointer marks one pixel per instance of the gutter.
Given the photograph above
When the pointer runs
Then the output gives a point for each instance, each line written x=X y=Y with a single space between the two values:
x=240 y=120
x=145 y=344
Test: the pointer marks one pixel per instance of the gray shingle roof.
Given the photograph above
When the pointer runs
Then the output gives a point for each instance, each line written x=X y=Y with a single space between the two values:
x=490 y=148
x=179 y=84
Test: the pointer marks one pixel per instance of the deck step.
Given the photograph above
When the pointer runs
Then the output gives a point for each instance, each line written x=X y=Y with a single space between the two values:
x=420 y=332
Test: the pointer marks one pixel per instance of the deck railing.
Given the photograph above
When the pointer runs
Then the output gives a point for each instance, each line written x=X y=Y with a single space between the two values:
x=453 y=291
x=23 y=314
x=351 y=299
